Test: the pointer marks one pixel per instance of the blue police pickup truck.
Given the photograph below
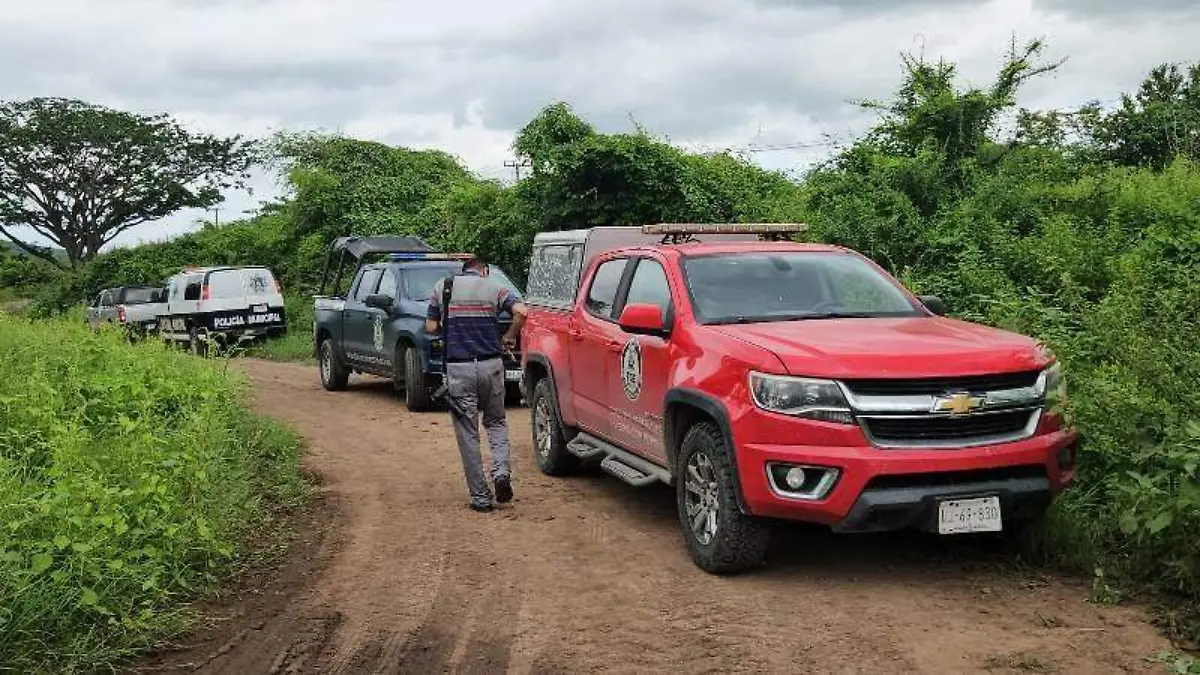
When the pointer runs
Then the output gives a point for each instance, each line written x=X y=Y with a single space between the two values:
x=377 y=326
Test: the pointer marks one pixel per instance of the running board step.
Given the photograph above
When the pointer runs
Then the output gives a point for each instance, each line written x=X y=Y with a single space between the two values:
x=617 y=462
x=616 y=467
x=582 y=447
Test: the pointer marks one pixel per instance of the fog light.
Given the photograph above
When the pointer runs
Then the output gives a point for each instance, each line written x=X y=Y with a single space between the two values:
x=802 y=482
x=795 y=478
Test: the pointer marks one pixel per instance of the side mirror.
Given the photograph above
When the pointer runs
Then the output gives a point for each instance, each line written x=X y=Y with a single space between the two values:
x=934 y=304
x=643 y=319
x=379 y=301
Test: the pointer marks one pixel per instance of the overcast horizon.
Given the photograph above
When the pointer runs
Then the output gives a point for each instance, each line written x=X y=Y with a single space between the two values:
x=465 y=75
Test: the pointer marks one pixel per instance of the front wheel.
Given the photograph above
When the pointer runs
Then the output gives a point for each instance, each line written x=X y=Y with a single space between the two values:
x=416 y=390
x=334 y=376
x=719 y=536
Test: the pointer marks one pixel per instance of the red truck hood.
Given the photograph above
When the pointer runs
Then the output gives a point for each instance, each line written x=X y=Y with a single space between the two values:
x=891 y=348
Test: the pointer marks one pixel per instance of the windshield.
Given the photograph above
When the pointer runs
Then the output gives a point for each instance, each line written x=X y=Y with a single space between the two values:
x=422 y=279
x=138 y=296
x=754 y=287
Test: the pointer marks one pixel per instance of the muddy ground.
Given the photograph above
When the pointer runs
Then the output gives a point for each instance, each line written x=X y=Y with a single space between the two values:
x=393 y=574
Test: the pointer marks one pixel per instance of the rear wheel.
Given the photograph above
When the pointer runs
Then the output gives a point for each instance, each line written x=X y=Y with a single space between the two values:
x=416 y=389
x=333 y=375
x=719 y=536
x=549 y=441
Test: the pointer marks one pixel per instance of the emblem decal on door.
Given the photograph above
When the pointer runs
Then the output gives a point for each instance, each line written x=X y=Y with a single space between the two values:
x=631 y=369
x=378 y=334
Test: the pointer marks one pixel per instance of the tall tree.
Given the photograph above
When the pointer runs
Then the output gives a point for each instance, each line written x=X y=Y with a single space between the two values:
x=1154 y=125
x=79 y=174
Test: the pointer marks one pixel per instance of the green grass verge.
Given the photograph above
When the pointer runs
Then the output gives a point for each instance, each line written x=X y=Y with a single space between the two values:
x=131 y=477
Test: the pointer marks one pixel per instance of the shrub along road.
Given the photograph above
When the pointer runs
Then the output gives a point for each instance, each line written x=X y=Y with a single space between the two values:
x=580 y=574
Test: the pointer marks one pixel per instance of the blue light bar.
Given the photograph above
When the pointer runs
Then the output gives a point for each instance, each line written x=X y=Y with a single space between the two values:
x=397 y=257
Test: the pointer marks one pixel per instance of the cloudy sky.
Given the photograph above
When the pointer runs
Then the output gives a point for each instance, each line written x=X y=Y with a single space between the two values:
x=464 y=75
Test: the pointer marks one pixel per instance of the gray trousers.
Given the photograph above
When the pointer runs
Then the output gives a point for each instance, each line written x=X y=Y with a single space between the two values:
x=475 y=387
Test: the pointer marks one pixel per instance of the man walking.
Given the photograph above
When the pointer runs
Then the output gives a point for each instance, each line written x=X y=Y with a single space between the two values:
x=475 y=371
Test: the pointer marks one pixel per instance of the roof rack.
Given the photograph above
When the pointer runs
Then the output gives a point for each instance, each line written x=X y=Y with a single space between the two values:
x=683 y=233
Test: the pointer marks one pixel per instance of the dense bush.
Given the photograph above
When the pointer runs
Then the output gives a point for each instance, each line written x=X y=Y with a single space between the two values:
x=128 y=478
x=1056 y=240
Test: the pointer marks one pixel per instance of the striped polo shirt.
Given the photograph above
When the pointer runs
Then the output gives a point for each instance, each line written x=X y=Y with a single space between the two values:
x=474 y=303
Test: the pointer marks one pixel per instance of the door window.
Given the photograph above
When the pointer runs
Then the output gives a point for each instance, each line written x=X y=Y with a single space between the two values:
x=367 y=284
x=106 y=299
x=649 y=286
x=603 y=293
x=387 y=285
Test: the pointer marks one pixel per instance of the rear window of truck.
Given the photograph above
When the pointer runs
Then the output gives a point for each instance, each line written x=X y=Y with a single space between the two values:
x=554 y=274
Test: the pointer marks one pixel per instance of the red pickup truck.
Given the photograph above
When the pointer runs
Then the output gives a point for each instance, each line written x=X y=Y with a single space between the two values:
x=768 y=379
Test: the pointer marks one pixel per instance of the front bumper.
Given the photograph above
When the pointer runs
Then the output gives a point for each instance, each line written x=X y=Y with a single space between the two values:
x=887 y=488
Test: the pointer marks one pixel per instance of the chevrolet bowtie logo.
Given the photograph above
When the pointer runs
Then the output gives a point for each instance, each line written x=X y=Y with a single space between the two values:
x=958 y=404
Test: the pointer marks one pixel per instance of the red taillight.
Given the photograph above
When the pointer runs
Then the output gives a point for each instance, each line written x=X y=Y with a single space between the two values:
x=121 y=313
x=205 y=292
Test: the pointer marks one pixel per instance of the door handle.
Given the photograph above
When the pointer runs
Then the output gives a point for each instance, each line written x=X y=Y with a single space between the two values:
x=575 y=333
x=613 y=344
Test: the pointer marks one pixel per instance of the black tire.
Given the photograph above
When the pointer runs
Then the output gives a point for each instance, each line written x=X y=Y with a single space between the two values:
x=730 y=541
x=549 y=441
x=416 y=390
x=334 y=375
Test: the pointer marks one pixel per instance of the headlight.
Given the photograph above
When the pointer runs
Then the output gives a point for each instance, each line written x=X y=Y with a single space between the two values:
x=1053 y=386
x=801 y=397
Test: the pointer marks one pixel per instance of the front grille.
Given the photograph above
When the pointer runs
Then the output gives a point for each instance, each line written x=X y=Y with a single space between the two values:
x=947 y=429
x=942 y=385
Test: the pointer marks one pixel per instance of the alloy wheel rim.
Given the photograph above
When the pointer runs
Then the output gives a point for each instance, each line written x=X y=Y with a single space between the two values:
x=701 y=497
x=542 y=427
x=326 y=364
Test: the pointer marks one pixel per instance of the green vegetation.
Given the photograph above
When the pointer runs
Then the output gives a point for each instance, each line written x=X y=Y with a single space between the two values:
x=129 y=479
x=1081 y=228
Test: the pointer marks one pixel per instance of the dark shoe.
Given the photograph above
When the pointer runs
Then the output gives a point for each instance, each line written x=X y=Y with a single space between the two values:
x=503 y=490
x=482 y=508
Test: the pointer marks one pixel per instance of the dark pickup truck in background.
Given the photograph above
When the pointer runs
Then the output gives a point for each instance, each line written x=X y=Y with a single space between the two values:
x=377 y=326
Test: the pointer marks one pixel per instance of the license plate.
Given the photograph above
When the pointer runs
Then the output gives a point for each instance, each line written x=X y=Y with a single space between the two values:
x=512 y=375
x=958 y=516
x=259 y=308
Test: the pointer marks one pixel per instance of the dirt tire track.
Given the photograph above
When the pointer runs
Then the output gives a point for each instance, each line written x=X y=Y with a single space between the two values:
x=587 y=574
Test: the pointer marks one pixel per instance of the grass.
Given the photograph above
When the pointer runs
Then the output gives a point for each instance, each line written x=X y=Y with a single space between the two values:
x=295 y=346
x=131 y=477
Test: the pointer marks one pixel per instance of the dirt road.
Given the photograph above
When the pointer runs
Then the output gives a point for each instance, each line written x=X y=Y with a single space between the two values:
x=588 y=574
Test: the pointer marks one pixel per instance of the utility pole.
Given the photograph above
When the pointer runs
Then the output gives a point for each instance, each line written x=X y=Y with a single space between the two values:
x=216 y=211
x=516 y=166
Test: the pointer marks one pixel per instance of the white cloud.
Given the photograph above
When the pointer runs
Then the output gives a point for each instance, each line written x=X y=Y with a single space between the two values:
x=464 y=75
